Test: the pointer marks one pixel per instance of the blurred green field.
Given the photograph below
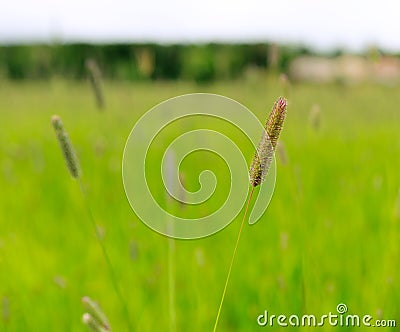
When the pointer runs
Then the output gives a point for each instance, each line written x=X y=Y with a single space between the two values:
x=330 y=234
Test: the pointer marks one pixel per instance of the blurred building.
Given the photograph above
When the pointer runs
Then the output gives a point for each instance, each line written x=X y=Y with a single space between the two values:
x=345 y=68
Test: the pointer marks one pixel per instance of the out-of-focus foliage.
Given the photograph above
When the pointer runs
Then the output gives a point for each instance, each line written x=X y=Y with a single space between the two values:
x=201 y=63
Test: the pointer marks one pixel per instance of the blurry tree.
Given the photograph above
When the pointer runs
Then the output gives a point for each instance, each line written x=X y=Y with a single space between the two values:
x=198 y=63
x=202 y=63
x=168 y=62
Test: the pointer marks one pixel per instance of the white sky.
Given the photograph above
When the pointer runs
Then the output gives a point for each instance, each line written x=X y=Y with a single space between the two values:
x=353 y=24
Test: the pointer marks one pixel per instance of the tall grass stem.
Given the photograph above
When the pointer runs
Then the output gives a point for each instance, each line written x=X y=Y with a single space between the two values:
x=232 y=260
x=106 y=257
x=171 y=283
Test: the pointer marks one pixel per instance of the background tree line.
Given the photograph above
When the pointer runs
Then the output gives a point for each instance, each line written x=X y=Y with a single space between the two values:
x=201 y=63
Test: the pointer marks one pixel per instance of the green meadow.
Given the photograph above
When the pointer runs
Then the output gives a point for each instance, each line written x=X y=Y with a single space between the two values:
x=330 y=235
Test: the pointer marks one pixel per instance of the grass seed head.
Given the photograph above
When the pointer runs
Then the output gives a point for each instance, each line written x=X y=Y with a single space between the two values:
x=92 y=324
x=96 y=313
x=275 y=120
x=284 y=83
x=66 y=147
x=282 y=153
x=263 y=157
x=315 y=117
x=94 y=76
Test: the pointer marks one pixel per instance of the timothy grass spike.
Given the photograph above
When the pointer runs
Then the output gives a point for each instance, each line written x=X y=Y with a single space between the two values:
x=66 y=147
x=75 y=170
x=263 y=156
x=258 y=171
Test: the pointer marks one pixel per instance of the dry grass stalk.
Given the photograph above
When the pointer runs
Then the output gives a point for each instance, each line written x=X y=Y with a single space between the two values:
x=66 y=147
x=315 y=117
x=285 y=84
x=95 y=81
x=146 y=62
x=282 y=153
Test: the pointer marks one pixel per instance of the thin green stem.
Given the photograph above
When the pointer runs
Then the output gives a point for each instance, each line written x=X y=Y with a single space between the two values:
x=106 y=257
x=171 y=283
x=232 y=260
